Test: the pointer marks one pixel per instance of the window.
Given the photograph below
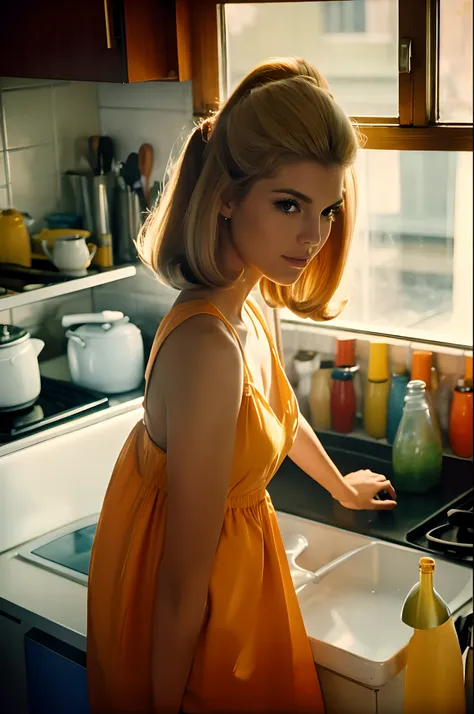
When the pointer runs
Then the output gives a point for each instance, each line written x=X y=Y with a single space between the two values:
x=409 y=272
x=455 y=61
x=409 y=269
x=362 y=70
x=343 y=17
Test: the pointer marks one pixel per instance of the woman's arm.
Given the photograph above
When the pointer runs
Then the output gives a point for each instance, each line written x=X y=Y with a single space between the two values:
x=356 y=490
x=202 y=392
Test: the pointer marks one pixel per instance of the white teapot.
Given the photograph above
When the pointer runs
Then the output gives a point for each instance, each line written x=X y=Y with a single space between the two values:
x=71 y=255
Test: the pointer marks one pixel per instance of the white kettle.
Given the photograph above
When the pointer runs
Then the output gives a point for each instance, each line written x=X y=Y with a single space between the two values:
x=105 y=352
x=19 y=369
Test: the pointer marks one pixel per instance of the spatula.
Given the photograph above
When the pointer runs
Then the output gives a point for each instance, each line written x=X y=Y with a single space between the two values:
x=145 y=165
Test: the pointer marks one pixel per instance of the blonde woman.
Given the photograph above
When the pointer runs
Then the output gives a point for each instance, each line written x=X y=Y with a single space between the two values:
x=191 y=603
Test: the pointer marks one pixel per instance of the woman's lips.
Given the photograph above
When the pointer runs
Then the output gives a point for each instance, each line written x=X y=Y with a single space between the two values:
x=296 y=262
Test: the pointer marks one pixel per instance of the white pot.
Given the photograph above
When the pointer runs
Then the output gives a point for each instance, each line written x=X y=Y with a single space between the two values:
x=105 y=352
x=19 y=369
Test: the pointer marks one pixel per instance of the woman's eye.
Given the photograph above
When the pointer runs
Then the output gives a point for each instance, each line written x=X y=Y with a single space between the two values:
x=288 y=205
x=330 y=213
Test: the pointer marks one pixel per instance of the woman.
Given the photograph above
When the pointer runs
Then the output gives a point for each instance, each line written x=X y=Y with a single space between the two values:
x=191 y=604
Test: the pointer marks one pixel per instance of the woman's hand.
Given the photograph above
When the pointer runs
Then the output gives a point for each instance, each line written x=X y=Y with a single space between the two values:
x=365 y=485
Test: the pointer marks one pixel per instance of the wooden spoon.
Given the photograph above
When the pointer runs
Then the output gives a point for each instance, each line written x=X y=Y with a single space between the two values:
x=145 y=165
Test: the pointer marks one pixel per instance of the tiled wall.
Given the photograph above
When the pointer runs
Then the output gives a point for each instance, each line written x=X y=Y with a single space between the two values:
x=158 y=113
x=46 y=126
x=43 y=132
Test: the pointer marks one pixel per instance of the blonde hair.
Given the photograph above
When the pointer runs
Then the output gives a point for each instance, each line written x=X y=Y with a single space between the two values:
x=282 y=111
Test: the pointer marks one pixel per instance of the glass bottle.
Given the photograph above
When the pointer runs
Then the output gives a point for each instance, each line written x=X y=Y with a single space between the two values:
x=305 y=362
x=377 y=391
x=320 y=396
x=396 y=401
x=343 y=400
x=417 y=452
x=460 y=421
x=434 y=678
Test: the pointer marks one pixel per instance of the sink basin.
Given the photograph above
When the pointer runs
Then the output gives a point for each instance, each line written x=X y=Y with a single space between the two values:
x=352 y=609
x=351 y=590
x=325 y=543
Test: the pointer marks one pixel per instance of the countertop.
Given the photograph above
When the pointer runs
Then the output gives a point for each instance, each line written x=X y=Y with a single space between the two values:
x=295 y=492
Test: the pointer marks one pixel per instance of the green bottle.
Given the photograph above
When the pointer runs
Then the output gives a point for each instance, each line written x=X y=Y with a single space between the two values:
x=417 y=451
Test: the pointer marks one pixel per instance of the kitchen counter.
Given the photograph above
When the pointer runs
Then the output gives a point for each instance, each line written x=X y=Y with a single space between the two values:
x=294 y=492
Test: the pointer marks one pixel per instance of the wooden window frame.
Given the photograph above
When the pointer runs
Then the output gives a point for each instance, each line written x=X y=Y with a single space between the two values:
x=415 y=129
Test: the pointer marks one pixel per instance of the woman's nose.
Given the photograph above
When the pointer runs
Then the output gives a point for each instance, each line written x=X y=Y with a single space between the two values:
x=311 y=235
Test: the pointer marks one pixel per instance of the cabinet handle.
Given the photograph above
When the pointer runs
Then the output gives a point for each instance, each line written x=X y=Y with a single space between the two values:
x=108 y=33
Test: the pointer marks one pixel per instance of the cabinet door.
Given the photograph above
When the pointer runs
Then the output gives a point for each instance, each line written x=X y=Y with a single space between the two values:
x=13 y=694
x=56 y=675
x=343 y=696
x=54 y=39
x=95 y=40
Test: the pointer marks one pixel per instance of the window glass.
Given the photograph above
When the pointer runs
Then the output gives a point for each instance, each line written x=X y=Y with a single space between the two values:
x=455 y=61
x=354 y=44
x=409 y=270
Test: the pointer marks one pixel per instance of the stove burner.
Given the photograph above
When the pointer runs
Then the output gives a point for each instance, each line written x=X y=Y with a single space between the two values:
x=457 y=533
x=449 y=533
x=58 y=402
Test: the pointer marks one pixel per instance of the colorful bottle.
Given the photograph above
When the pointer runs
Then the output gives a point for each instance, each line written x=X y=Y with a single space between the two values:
x=421 y=367
x=345 y=353
x=434 y=680
x=377 y=391
x=468 y=369
x=343 y=400
x=460 y=421
x=304 y=362
x=320 y=396
x=396 y=402
x=417 y=453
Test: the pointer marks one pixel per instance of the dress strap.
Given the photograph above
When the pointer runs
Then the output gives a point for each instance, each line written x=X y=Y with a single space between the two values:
x=175 y=317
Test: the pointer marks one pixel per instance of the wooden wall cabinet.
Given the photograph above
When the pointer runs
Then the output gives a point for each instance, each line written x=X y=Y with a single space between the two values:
x=96 y=40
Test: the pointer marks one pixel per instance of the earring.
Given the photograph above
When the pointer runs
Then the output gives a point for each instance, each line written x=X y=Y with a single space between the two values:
x=226 y=218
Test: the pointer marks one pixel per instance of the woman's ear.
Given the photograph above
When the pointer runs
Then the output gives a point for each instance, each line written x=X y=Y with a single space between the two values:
x=226 y=210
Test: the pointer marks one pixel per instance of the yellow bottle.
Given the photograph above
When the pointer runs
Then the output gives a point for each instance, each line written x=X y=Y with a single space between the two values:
x=434 y=679
x=377 y=391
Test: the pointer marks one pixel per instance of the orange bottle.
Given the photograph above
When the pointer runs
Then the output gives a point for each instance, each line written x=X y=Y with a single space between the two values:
x=468 y=370
x=421 y=364
x=460 y=420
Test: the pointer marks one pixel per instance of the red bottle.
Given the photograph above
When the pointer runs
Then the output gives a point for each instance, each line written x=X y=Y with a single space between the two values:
x=343 y=400
x=460 y=421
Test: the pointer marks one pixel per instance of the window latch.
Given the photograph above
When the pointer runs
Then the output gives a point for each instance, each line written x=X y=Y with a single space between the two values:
x=404 y=55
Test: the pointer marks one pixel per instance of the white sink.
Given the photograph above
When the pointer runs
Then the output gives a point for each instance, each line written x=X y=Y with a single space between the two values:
x=351 y=602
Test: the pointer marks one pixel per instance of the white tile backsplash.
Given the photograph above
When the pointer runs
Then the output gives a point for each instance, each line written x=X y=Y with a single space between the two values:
x=5 y=317
x=3 y=178
x=47 y=124
x=28 y=117
x=43 y=319
x=162 y=96
x=25 y=82
x=34 y=181
x=129 y=128
x=76 y=116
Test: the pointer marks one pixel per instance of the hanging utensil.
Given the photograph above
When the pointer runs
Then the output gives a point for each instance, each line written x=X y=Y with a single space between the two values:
x=93 y=144
x=145 y=166
x=132 y=176
x=106 y=154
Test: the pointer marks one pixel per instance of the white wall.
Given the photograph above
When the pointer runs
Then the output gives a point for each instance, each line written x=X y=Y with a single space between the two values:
x=44 y=127
x=158 y=113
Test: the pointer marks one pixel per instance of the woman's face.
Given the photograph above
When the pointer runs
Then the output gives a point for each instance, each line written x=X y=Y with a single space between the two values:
x=284 y=221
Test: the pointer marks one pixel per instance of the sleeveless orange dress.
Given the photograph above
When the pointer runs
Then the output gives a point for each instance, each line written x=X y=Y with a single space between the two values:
x=253 y=654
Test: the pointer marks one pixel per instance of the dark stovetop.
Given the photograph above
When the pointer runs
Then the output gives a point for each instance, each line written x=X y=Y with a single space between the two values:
x=58 y=402
x=294 y=492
